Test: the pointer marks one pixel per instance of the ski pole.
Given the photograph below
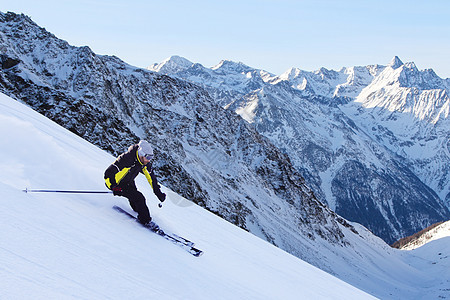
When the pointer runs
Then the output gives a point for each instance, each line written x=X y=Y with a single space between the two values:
x=64 y=191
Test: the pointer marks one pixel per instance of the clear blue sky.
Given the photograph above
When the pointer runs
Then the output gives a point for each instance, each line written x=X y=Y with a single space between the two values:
x=273 y=35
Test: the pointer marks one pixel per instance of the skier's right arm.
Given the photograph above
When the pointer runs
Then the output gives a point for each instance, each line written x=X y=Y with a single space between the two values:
x=110 y=176
x=113 y=173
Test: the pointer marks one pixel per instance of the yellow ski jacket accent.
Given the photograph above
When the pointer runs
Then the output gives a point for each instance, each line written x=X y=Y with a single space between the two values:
x=125 y=169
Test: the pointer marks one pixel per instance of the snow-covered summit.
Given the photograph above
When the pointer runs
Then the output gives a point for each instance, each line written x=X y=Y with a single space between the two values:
x=405 y=89
x=395 y=63
x=171 y=65
x=231 y=78
x=347 y=82
x=230 y=67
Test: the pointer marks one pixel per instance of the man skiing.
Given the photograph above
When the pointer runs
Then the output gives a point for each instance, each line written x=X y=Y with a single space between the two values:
x=120 y=175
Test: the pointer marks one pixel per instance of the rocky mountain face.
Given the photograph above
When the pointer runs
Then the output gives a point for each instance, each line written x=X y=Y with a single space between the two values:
x=206 y=153
x=372 y=142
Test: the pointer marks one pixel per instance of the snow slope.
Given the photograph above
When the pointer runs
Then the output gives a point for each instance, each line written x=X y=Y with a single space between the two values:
x=430 y=251
x=71 y=246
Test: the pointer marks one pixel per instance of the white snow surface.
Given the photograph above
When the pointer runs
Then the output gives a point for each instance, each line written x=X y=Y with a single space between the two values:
x=74 y=246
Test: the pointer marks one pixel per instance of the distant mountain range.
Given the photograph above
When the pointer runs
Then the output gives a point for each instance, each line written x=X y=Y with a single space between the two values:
x=372 y=142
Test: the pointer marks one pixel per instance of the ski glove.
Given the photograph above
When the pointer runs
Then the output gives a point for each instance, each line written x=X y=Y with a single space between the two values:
x=162 y=197
x=117 y=190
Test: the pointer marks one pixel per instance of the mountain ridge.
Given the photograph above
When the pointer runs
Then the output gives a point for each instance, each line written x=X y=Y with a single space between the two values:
x=429 y=234
x=346 y=95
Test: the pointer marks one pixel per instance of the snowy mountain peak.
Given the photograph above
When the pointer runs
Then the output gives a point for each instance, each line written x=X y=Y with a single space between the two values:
x=395 y=63
x=171 y=65
x=402 y=87
x=326 y=74
x=411 y=66
x=228 y=66
x=290 y=74
x=9 y=16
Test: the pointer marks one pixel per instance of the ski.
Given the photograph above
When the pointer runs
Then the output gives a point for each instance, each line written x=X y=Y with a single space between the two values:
x=175 y=239
x=160 y=231
x=183 y=240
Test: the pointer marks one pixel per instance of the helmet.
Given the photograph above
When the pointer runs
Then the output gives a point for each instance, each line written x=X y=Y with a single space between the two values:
x=145 y=149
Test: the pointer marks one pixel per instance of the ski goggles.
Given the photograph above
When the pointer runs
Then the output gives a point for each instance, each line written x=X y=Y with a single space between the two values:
x=149 y=156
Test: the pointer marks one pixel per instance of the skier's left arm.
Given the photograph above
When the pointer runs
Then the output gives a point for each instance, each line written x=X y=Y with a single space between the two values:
x=151 y=178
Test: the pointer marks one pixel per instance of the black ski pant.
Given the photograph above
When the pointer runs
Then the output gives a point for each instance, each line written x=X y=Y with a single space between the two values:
x=137 y=202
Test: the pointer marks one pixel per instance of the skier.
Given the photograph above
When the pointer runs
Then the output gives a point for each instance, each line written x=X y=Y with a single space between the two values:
x=120 y=175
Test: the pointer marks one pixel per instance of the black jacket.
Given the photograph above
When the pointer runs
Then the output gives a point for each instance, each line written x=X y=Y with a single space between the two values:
x=125 y=169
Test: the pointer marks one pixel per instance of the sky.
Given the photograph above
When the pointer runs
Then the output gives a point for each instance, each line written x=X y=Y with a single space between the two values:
x=273 y=35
